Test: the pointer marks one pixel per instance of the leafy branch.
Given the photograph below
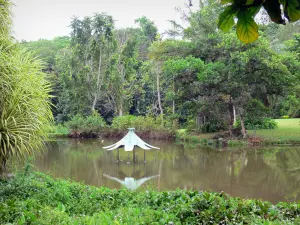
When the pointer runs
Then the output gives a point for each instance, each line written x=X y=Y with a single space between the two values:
x=246 y=10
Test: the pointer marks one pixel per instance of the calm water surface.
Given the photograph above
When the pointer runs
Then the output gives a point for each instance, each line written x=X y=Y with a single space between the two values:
x=271 y=173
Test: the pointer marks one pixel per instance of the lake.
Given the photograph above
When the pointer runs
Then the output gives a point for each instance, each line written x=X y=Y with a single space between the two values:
x=269 y=173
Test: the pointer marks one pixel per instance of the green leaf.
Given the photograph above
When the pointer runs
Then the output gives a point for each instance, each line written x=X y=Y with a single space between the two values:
x=226 y=19
x=226 y=1
x=254 y=10
x=249 y=2
x=292 y=10
x=247 y=29
x=61 y=207
x=273 y=9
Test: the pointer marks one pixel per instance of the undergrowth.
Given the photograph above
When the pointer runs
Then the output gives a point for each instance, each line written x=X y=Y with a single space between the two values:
x=36 y=198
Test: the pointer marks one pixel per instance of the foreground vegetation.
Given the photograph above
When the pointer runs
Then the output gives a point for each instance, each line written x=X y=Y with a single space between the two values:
x=35 y=198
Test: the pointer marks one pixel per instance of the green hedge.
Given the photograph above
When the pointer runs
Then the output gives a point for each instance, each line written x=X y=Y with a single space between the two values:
x=36 y=198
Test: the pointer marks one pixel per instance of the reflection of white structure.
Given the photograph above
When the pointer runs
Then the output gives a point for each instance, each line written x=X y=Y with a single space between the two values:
x=129 y=141
x=129 y=182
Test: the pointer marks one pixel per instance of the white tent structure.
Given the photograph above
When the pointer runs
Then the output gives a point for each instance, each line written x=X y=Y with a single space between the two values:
x=129 y=182
x=129 y=141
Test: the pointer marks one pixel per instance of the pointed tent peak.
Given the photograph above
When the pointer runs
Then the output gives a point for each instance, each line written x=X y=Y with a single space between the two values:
x=129 y=141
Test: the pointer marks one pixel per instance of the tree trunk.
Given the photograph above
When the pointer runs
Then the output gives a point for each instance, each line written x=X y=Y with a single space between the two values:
x=121 y=109
x=243 y=127
x=234 y=115
x=174 y=94
x=173 y=110
x=94 y=102
x=158 y=93
x=98 y=85
x=231 y=114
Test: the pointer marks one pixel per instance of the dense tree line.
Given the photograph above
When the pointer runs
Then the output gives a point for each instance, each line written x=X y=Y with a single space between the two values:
x=198 y=77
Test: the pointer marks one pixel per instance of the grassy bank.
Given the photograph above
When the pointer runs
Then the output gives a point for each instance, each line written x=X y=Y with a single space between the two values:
x=208 y=139
x=287 y=132
x=36 y=198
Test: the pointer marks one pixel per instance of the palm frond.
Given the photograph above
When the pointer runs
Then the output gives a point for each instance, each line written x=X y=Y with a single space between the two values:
x=25 y=110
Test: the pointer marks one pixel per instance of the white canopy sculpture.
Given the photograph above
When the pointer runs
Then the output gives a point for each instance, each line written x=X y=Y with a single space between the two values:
x=129 y=141
x=129 y=182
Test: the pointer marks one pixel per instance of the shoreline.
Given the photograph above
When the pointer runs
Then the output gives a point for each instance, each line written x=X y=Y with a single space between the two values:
x=205 y=139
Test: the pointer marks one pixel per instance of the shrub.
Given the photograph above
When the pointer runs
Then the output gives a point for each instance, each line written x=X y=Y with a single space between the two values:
x=59 y=129
x=76 y=123
x=93 y=123
x=210 y=126
x=285 y=117
x=252 y=124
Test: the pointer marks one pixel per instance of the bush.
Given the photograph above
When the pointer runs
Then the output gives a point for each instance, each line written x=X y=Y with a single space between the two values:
x=285 y=117
x=36 y=198
x=140 y=123
x=59 y=129
x=258 y=124
x=93 y=123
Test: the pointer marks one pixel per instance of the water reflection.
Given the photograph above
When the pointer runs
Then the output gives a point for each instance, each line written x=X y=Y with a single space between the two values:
x=129 y=182
x=271 y=174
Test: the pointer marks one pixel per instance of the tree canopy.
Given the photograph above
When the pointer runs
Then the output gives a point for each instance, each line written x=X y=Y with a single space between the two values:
x=199 y=78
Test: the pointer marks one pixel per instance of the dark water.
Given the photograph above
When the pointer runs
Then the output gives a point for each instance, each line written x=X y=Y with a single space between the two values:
x=271 y=173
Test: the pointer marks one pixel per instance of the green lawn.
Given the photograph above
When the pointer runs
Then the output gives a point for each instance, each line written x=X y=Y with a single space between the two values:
x=288 y=130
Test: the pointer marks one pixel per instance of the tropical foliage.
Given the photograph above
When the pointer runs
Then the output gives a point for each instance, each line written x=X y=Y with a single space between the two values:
x=25 y=110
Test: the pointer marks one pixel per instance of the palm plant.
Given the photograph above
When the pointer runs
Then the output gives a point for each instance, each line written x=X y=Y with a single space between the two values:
x=25 y=111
